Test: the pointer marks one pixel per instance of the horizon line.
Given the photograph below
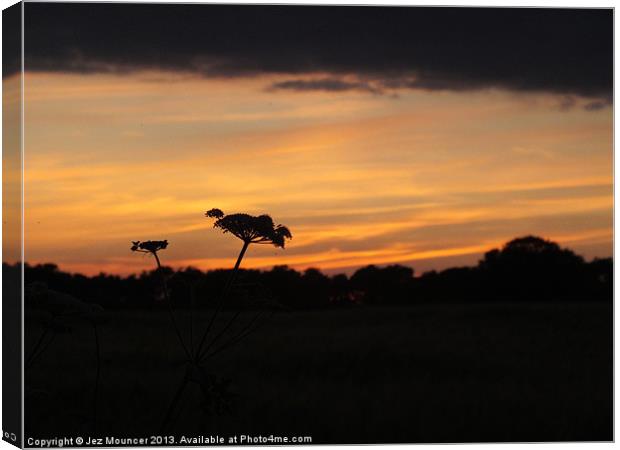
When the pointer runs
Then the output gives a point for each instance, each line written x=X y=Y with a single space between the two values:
x=347 y=271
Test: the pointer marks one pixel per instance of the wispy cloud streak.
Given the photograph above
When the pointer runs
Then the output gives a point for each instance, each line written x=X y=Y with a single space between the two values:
x=431 y=180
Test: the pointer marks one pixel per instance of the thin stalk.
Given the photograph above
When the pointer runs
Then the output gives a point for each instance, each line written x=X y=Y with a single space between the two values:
x=192 y=308
x=247 y=330
x=37 y=346
x=173 y=404
x=223 y=296
x=170 y=311
x=97 y=377
x=219 y=335
x=42 y=350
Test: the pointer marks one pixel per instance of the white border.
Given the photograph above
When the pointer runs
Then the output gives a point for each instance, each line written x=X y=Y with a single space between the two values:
x=483 y=3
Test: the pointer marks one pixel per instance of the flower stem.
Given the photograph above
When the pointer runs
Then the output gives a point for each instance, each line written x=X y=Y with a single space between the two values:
x=33 y=353
x=173 y=404
x=227 y=288
x=219 y=335
x=169 y=304
x=245 y=331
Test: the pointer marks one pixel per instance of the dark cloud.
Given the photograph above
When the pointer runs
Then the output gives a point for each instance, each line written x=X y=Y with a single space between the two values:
x=597 y=105
x=554 y=50
x=567 y=102
x=11 y=40
x=327 y=84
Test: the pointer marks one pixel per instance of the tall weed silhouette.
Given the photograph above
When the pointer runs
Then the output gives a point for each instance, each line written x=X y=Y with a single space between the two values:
x=58 y=312
x=217 y=397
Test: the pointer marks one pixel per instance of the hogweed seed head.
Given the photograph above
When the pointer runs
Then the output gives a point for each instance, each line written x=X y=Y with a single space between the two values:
x=215 y=213
x=251 y=229
x=148 y=246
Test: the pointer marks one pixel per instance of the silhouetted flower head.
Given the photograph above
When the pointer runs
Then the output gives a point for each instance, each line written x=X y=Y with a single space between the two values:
x=148 y=246
x=215 y=213
x=250 y=229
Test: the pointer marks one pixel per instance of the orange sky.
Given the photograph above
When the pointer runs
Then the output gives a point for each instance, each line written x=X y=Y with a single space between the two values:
x=428 y=179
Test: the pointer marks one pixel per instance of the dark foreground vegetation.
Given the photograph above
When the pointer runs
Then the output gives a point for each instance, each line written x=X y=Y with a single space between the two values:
x=525 y=269
x=445 y=373
x=518 y=348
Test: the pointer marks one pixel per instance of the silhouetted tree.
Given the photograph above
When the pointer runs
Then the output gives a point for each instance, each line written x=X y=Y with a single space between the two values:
x=531 y=268
x=451 y=285
x=525 y=269
x=284 y=283
x=601 y=278
x=340 y=294
x=315 y=289
x=391 y=284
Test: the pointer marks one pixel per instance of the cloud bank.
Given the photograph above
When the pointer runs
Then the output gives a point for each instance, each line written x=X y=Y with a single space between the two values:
x=371 y=49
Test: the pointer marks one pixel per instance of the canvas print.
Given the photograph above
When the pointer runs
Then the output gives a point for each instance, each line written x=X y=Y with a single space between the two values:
x=306 y=224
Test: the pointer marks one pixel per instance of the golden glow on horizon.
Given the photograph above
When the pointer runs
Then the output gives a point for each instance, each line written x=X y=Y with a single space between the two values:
x=429 y=179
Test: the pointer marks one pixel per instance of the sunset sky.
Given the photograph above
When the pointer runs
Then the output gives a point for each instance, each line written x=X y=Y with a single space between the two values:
x=419 y=137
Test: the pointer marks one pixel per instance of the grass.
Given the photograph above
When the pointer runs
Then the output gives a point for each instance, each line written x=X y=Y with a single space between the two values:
x=366 y=375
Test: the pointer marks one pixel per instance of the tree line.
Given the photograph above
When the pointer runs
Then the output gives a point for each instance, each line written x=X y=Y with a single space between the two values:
x=525 y=269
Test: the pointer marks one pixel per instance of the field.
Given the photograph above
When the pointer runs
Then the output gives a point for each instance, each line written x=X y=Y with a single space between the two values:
x=362 y=375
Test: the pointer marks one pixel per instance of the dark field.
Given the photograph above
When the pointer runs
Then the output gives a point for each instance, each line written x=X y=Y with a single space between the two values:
x=361 y=375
